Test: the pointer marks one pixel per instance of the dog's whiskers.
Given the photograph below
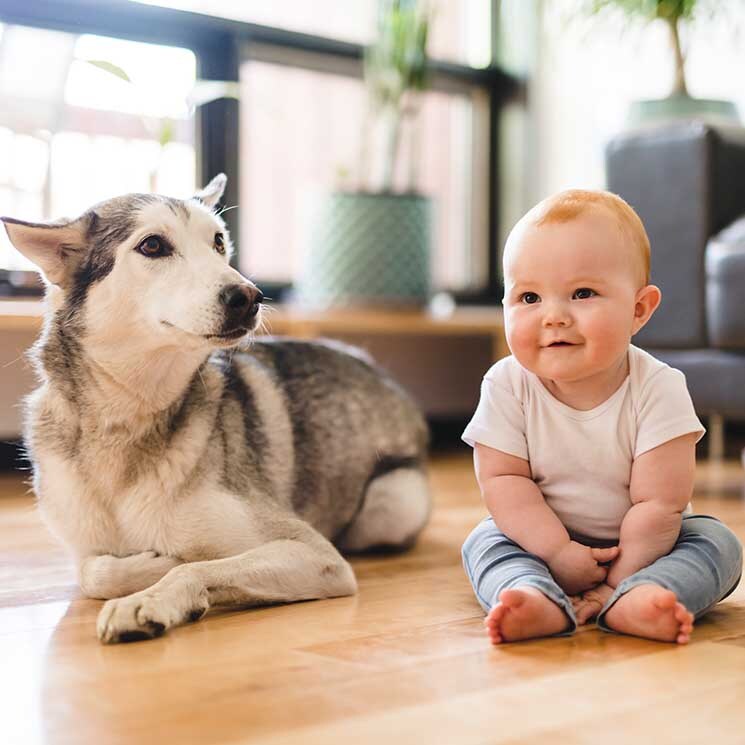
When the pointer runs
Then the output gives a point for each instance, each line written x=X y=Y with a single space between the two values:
x=13 y=362
x=261 y=327
x=264 y=323
x=199 y=372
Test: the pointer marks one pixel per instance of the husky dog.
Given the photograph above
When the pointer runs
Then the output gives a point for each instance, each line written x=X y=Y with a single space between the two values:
x=181 y=472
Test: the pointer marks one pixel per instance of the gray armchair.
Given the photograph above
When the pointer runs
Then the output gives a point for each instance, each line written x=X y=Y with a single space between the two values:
x=687 y=182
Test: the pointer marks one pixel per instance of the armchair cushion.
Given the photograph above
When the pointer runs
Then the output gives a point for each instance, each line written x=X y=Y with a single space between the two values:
x=714 y=377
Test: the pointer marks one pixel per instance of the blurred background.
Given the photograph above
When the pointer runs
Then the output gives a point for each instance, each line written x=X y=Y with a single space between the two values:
x=456 y=115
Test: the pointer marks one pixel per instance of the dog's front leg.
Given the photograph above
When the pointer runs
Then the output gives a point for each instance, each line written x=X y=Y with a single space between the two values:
x=297 y=563
x=106 y=576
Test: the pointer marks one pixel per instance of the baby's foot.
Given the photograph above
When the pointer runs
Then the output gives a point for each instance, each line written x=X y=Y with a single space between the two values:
x=652 y=612
x=524 y=613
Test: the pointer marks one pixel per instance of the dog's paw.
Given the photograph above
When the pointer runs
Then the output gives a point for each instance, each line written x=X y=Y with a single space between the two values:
x=150 y=613
x=133 y=618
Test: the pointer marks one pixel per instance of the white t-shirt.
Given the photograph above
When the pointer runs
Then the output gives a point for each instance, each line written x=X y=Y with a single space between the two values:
x=581 y=460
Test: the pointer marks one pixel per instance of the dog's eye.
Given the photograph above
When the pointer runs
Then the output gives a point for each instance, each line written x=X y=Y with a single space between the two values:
x=219 y=243
x=152 y=246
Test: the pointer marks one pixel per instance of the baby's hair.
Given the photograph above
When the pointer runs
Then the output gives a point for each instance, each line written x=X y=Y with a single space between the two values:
x=566 y=205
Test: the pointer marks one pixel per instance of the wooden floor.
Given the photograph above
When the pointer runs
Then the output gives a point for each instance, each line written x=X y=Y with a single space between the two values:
x=405 y=661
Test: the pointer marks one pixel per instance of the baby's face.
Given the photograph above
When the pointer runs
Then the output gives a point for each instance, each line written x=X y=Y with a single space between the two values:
x=570 y=294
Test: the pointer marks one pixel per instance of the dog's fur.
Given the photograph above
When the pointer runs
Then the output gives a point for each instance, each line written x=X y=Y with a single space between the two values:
x=180 y=472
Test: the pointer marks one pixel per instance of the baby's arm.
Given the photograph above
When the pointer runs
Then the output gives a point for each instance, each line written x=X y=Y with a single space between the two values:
x=521 y=513
x=661 y=487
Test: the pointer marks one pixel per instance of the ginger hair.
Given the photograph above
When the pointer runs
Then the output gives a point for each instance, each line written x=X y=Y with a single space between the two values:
x=569 y=204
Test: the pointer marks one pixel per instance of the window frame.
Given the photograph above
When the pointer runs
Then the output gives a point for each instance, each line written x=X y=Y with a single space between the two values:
x=220 y=46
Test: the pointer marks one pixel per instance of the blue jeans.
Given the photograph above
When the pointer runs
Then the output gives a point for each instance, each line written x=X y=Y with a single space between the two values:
x=702 y=568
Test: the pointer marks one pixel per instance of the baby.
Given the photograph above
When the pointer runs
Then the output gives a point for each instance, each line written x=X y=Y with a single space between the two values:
x=584 y=445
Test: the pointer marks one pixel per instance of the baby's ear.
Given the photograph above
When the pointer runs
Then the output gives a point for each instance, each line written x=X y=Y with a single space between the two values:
x=54 y=247
x=646 y=303
x=211 y=194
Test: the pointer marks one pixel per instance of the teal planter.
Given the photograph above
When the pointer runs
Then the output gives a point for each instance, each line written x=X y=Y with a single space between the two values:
x=368 y=250
x=680 y=107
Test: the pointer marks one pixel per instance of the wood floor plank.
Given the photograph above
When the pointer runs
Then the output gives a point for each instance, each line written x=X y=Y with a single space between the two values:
x=532 y=709
x=404 y=661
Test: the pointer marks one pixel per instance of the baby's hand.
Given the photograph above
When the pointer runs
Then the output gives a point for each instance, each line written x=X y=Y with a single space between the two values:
x=575 y=567
x=589 y=604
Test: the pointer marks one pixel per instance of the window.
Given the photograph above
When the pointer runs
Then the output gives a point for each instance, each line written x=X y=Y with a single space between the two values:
x=72 y=133
x=295 y=68
x=301 y=132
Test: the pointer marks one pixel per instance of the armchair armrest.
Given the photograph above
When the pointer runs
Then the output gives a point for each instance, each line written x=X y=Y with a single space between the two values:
x=725 y=280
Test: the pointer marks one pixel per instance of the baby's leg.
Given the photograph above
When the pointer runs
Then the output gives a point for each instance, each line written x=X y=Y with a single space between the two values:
x=514 y=587
x=663 y=600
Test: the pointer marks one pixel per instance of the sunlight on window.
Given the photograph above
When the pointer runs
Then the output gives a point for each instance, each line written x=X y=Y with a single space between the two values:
x=6 y=143
x=78 y=180
x=161 y=77
x=23 y=169
x=33 y=62
x=72 y=134
x=29 y=159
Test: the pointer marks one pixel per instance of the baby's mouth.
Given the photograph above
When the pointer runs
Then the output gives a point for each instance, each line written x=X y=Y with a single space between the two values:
x=555 y=344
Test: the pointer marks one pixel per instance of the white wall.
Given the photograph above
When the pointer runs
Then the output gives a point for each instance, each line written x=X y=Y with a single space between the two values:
x=588 y=70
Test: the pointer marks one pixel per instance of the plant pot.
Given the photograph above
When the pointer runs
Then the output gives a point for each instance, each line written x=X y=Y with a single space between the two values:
x=681 y=107
x=368 y=250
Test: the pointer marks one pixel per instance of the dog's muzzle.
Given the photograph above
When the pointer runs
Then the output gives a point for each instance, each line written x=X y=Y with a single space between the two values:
x=241 y=304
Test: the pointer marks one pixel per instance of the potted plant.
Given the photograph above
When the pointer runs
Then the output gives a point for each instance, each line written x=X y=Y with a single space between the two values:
x=371 y=245
x=676 y=15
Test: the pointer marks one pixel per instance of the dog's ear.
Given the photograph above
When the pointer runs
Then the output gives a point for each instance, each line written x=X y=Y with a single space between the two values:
x=54 y=247
x=211 y=194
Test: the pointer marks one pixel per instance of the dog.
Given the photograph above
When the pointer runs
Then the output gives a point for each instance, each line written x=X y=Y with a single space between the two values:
x=185 y=462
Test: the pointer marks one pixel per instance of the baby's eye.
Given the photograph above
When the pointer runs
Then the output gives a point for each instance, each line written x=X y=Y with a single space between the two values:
x=529 y=298
x=584 y=293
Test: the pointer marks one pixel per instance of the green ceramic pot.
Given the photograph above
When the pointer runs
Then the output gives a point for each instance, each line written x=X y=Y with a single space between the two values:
x=681 y=107
x=368 y=250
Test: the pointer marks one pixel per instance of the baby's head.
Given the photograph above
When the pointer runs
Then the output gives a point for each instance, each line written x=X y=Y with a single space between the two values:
x=576 y=273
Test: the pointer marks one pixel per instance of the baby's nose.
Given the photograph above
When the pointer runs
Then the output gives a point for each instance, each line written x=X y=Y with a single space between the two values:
x=555 y=315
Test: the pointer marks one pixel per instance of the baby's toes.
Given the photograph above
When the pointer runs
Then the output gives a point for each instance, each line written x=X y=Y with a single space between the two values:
x=684 y=617
x=682 y=614
x=493 y=622
x=494 y=617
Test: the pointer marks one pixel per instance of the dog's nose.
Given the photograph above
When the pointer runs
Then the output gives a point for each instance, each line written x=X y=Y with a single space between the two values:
x=234 y=296
x=241 y=301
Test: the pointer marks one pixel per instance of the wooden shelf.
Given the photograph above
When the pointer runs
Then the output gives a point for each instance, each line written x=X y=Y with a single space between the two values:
x=21 y=315
x=471 y=321
x=26 y=314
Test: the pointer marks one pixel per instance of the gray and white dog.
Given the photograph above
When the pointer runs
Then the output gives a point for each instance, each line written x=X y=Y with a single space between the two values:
x=180 y=472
